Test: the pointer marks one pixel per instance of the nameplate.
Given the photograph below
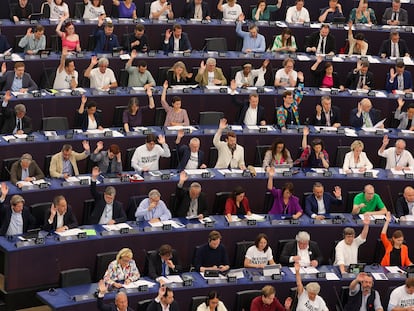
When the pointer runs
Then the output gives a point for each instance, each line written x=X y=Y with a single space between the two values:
x=147 y=131
x=272 y=23
x=124 y=178
x=67 y=238
x=165 y=176
x=111 y=91
x=132 y=133
x=311 y=174
x=36 y=94
x=293 y=55
x=43 y=185
x=82 y=235
x=379 y=221
x=187 y=282
x=294 y=221
x=166 y=227
x=205 y=174
x=7 y=57
x=260 y=90
x=209 y=224
x=83 y=181
x=251 y=222
x=334 y=92
x=340 y=26
x=222 y=54
x=231 y=279
x=364 y=58
x=187 y=90
x=246 y=173
x=29 y=187
x=276 y=276
x=281 y=222
x=83 y=297
x=20 y=244
x=216 y=281
x=321 y=275
x=151 y=54
x=337 y=221
x=371 y=93
x=409 y=176
x=408 y=95
x=80 y=55
x=75 y=93
x=322 y=221
x=257 y=55
x=187 y=54
x=368 y=175
x=172 y=21
x=44 y=55
x=379 y=132
x=223 y=90
x=124 y=231
x=70 y=183
x=107 y=233
x=39 y=241
x=327 y=174
x=194 y=226
x=108 y=134
x=328 y=57
x=143 y=288
x=111 y=180
x=259 y=278
x=116 y=54
x=408 y=28
x=262 y=129
x=236 y=224
x=68 y=135
x=340 y=131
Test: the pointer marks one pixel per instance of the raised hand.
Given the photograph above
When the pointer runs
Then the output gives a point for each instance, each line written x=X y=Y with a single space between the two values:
x=165 y=85
x=202 y=65
x=3 y=68
x=183 y=177
x=53 y=210
x=168 y=34
x=133 y=54
x=94 y=60
x=400 y=102
x=84 y=99
x=223 y=123
x=337 y=191
x=233 y=85
x=4 y=189
x=95 y=172
x=305 y=131
x=99 y=145
x=7 y=96
x=161 y=139
x=85 y=145
x=385 y=140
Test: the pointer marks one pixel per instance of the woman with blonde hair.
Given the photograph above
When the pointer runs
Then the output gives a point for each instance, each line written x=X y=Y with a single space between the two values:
x=178 y=75
x=356 y=158
x=123 y=270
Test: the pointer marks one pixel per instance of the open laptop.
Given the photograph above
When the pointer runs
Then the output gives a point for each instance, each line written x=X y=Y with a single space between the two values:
x=269 y=270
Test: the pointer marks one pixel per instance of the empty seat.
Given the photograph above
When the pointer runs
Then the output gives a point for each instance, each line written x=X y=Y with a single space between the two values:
x=220 y=202
x=210 y=117
x=117 y=118
x=241 y=248
x=268 y=202
x=55 y=123
x=88 y=206
x=133 y=204
x=341 y=151
x=79 y=10
x=128 y=158
x=215 y=44
x=123 y=78
x=73 y=277
x=244 y=298
x=38 y=211
x=47 y=78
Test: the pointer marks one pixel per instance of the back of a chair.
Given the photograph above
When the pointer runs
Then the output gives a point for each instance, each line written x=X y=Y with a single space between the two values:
x=46 y=164
x=212 y=157
x=160 y=116
x=210 y=117
x=45 y=9
x=117 y=118
x=79 y=10
x=220 y=202
x=38 y=211
x=102 y=262
x=148 y=255
x=17 y=48
x=143 y=304
x=260 y=153
x=55 y=123
x=133 y=204
x=88 y=206
x=7 y=164
x=128 y=158
x=280 y=245
x=74 y=277
x=147 y=7
x=218 y=44
x=241 y=248
x=350 y=200
x=268 y=202
x=244 y=299
x=341 y=151
x=123 y=78
x=47 y=78
x=196 y=301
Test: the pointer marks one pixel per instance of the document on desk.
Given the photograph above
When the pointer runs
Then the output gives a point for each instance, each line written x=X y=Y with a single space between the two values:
x=330 y=276
x=16 y=57
x=256 y=217
x=220 y=277
x=116 y=227
x=303 y=57
x=173 y=223
x=20 y=136
x=380 y=94
x=50 y=133
x=196 y=171
x=373 y=60
x=70 y=232
x=372 y=217
x=138 y=88
x=125 y=56
x=379 y=276
x=326 y=128
x=337 y=59
x=72 y=179
x=350 y=132
x=316 y=25
x=401 y=172
x=25 y=183
x=318 y=170
x=139 y=283
x=268 y=128
x=8 y=137
x=170 y=279
x=180 y=127
x=181 y=87
x=140 y=128
x=304 y=270
x=238 y=273
x=394 y=269
x=206 y=220
x=236 y=127
x=234 y=218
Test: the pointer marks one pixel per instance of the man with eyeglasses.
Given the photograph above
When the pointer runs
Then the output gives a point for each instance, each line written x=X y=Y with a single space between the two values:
x=25 y=170
x=398 y=157
x=368 y=202
x=101 y=77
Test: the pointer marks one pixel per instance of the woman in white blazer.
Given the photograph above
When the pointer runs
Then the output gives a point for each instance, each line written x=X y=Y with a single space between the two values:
x=356 y=158
x=212 y=303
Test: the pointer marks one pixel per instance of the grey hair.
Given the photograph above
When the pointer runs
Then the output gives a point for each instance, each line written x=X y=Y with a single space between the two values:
x=103 y=61
x=211 y=61
x=313 y=288
x=302 y=236
x=110 y=191
x=20 y=108
x=154 y=193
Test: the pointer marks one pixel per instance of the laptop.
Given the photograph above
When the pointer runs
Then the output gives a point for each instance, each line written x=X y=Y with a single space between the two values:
x=339 y=20
x=270 y=270
x=280 y=168
x=31 y=234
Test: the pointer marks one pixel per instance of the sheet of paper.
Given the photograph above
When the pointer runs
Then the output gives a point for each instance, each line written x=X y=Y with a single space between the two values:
x=319 y=170
x=70 y=232
x=8 y=137
x=326 y=128
x=259 y=170
x=394 y=269
x=304 y=270
x=125 y=56
x=215 y=87
x=116 y=227
x=379 y=276
x=220 y=277
x=139 y=283
x=397 y=172
x=206 y=219
x=315 y=25
x=50 y=133
x=255 y=217
x=380 y=94
x=25 y=183
x=238 y=273
x=180 y=127
x=181 y=87
x=20 y=136
x=196 y=171
x=72 y=179
x=236 y=127
x=303 y=57
x=224 y=171
x=330 y=276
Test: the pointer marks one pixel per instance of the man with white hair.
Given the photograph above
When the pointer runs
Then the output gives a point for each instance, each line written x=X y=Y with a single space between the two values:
x=398 y=157
x=209 y=74
x=362 y=295
x=364 y=115
x=302 y=251
x=101 y=77
x=153 y=209
x=191 y=201
x=25 y=170
x=189 y=156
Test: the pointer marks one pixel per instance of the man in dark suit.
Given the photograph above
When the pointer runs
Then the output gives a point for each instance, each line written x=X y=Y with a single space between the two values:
x=197 y=9
x=364 y=115
x=302 y=250
x=360 y=77
x=176 y=40
x=164 y=262
x=395 y=15
x=321 y=42
x=15 y=121
x=405 y=203
x=138 y=40
x=164 y=300
x=60 y=216
x=326 y=114
x=25 y=169
x=189 y=156
x=107 y=210
x=191 y=201
x=399 y=79
x=394 y=46
x=121 y=300
x=105 y=39
x=17 y=80
x=320 y=202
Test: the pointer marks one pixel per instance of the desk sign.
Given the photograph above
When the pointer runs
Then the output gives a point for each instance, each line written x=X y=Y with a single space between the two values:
x=364 y=58
x=379 y=132
x=75 y=93
x=222 y=54
x=409 y=176
x=328 y=57
x=321 y=275
x=187 y=90
x=20 y=244
x=223 y=90
x=251 y=222
x=294 y=221
x=80 y=55
x=124 y=178
x=84 y=181
x=39 y=241
x=111 y=91
x=7 y=57
x=166 y=227
x=276 y=276
x=368 y=175
x=408 y=95
x=69 y=135
x=36 y=94
x=143 y=288
x=262 y=129
x=43 y=185
x=81 y=235
x=287 y=174
x=327 y=173
x=337 y=221
x=379 y=221
x=165 y=176
x=187 y=54
x=124 y=230
x=30 y=138
x=187 y=281
x=334 y=92
x=260 y=89
x=205 y=174
x=231 y=279
x=108 y=134
x=371 y=93
x=147 y=131
x=209 y=224
x=246 y=173
x=151 y=54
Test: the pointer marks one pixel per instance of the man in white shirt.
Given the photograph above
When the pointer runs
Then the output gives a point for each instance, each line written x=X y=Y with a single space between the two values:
x=402 y=298
x=101 y=77
x=66 y=75
x=397 y=157
x=161 y=9
x=245 y=77
x=298 y=13
x=286 y=76
x=146 y=157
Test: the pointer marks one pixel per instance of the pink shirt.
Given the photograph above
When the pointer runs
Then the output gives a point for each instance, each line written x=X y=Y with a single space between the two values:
x=71 y=45
x=327 y=81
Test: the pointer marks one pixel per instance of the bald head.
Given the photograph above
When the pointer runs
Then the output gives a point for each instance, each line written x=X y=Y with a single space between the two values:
x=399 y=146
x=121 y=301
x=409 y=194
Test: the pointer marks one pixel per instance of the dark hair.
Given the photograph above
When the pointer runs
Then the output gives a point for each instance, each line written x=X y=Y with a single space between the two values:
x=287 y=93
x=165 y=249
x=258 y=238
x=317 y=141
x=397 y=234
x=236 y=191
x=211 y=295
x=151 y=138
x=231 y=134
x=359 y=36
x=286 y=31
x=68 y=24
x=132 y=101
x=327 y=65
x=177 y=26
x=364 y=63
x=39 y=28
x=288 y=186
x=214 y=235
x=274 y=146
x=176 y=99
x=91 y=104
x=400 y=64
x=259 y=2
x=114 y=148
x=68 y=61
x=167 y=290
x=140 y=27
x=142 y=63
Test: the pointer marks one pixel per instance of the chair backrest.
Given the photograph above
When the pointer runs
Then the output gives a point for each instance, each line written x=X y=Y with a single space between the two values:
x=234 y=70
x=241 y=248
x=342 y=298
x=38 y=211
x=143 y=304
x=101 y=264
x=88 y=206
x=55 y=123
x=73 y=277
x=379 y=252
x=79 y=10
x=196 y=301
x=5 y=172
x=133 y=204
x=46 y=165
x=173 y=204
x=215 y=44
x=212 y=157
x=45 y=9
x=332 y=255
x=219 y=202
x=160 y=116
x=304 y=196
x=147 y=7
x=55 y=43
x=239 y=44
x=47 y=78
x=117 y=118
x=148 y=254
x=162 y=74
x=260 y=153
x=280 y=245
x=244 y=299
x=174 y=158
x=91 y=43
x=128 y=158
x=210 y=117
x=341 y=151
x=268 y=202
x=350 y=200
x=17 y=48
x=123 y=78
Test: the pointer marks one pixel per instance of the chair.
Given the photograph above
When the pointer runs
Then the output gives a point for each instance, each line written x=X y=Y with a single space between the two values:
x=90 y=165
x=128 y=158
x=162 y=74
x=73 y=277
x=148 y=254
x=38 y=211
x=55 y=43
x=17 y=48
x=196 y=248
x=260 y=153
x=174 y=158
x=45 y=9
x=393 y=121
x=123 y=78
x=210 y=117
x=239 y=44
x=350 y=200
x=244 y=299
x=117 y=118
x=212 y=157
x=55 y=124
x=342 y=298
x=88 y=206
x=173 y=204
x=79 y=10
x=280 y=245
x=147 y=8
x=382 y=163
x=219 y=202
x=304 y=196
x=84 y=81
x=46 y=164
x=160 y=116
x=268 y=202
x=143 y=304
x=215 y=44
x=133 y=204
x=234 y=70
x=91 y=43
x=332 y=254
x=47 y=78
x=101 y=264
x=196 y=301
x=5 y=172
x=341 y=151
x=379 y=252
x=241 y=248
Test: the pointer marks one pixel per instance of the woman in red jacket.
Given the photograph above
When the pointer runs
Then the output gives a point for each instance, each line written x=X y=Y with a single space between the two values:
x=237 y=204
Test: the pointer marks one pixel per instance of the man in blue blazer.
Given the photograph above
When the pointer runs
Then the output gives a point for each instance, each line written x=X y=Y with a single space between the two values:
x=319 y=203
x=176 y=40
x=187 y=153
x=105 y=39
x=364 y=115
x=120 y=304
x=399 y=79
x=107 y=210
x=17 y=80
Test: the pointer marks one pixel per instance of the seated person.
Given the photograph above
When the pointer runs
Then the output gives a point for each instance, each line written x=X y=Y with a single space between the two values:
x=326 y=114
x=252 y=40
x=209 y=74
x=109 y=161
x=362 y=14
x=284 y=202
x=320 y=202
x=89 y=118
x=197 y=9
x=58 y=9
x=4 y=44
x=297 y=13
x=365 y=115
x=262 y=11
x=287 y=76
x=288 y=112
x=250 y=113
x=368 y=202
x=60 y=216
x=285 y=42
x=107 y=211
x=212 y=255
x=161 y=9
x=17 y=80
x=175 y=115
x=260 y=254
x=328 y=14
x=245 y=78
x=164 y=262
x=176 y=40
x=401 y=297
x=396 y=252
x=237 y=204
x=63 y=164
x=190 y=202
x=361 y=293
x=268 y=301
x=153 y=209
x=346 y=251
x=139 y=76
x=137 y=40
x=313 y=155
x=394 y=46
x=105 y=39
x=212 y=303
x=102 y=77
x=360 y=78
x=356 y=158
x=32 y=43
x=132 y=116
x=178 y=75
x=357 y=44
x=126 y=8
x=398 y=157
x=15 y=121
x=22 y=10
x=308 y=297
x=25 y=170
x=395 y=15
x=190 y=156
x=93 y=9
x=325 y=77
x=231 y=10
x=122 y=270
x=276 y=155
x=405 y=203
x=69 y=38
x=302 y=251
x=146 y=157
x=66 y=75
x=321 y=42
x=399 y=79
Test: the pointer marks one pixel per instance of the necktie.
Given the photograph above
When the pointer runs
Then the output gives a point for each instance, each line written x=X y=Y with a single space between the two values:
x=164 y=268
x=106 y=45
x=400 y=81
x=394 y=50
x=109 y=169
x=19 y=124
x=323 y=45
x=361 y=82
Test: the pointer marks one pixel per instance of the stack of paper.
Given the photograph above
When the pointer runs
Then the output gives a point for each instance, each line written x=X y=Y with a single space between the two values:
x=173 y=224
x=116 y=227
x=304 y=270
x=139 y=283
x=70 y=232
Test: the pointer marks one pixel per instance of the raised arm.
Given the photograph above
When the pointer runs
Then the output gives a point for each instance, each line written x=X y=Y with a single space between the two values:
x=305 y=137
x=299 y=283
x=59 y=26
x=386 y=223
x=271 y=173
